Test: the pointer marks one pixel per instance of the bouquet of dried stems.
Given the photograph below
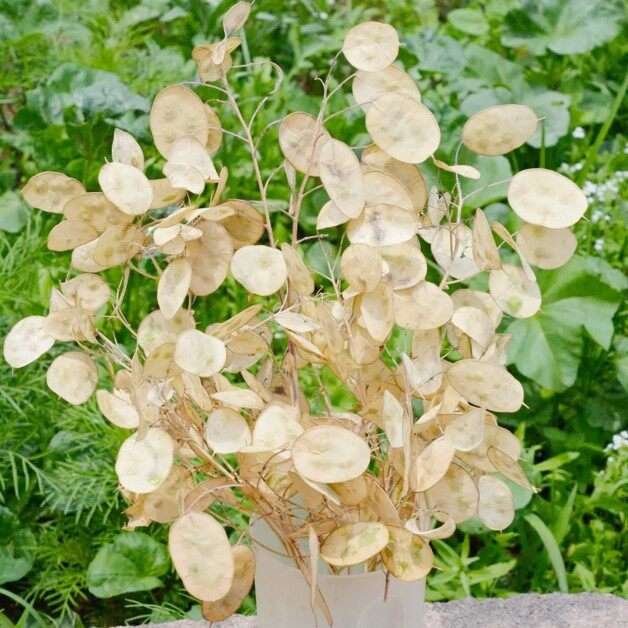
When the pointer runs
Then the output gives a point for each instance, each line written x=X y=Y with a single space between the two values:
x=216 y=417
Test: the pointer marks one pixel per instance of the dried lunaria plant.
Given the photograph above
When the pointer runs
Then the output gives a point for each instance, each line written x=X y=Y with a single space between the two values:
x=215 y=415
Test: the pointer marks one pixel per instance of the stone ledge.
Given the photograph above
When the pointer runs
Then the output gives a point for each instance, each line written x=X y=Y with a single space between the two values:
x=556 y=610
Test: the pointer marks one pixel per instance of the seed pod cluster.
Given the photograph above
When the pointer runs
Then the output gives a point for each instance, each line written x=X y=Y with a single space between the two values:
x=214 y=414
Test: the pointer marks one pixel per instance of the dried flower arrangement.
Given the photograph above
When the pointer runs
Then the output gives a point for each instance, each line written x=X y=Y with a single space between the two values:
x=217 y=418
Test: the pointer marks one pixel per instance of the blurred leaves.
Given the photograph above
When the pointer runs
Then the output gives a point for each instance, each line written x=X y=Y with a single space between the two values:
x=132 y=562
x=16 y=559
x=564 y=26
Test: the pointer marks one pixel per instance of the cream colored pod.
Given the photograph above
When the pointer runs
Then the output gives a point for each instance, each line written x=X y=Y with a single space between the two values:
x=358 y=600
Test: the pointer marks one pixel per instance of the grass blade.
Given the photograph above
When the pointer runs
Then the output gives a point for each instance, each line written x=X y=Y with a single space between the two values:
x=553 y=551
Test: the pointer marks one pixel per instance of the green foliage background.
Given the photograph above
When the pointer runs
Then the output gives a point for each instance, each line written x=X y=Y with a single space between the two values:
x=73 y=70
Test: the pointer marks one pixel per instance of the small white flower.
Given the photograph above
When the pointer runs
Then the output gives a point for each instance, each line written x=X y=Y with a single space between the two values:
x=619 y=440
x=578 y=133
x=599 y=245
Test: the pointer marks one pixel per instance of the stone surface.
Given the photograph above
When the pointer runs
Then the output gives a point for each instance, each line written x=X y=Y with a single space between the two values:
x=582 y=610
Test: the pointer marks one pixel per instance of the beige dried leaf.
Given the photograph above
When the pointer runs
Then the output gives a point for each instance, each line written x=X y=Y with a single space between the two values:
x=393 y=418
x=422 y=307
x=73 y=376
x=432 y=463
x=202 y=556
x=382 y=225
x=126 y=150
x=486 y=385
x=455 y=494
x=126 y=187
x=189 y=152
x=233 y=20
x=276 y=428
x=214 y=139
x=301 y=137
x=406 y=556
x=96 y=209
x=545 y=198
x=546 y=248
x=341 y=175
x=514 y=292
x=89 y=292
x=260 y=269
x=118 y=408
x=443 y=531
x=116 y=245
x=155 y=330
x=362 y=267
x=466 y=431
x=495 y=505
x=69 y=234
x=185 y=177
x=226 y=431
x=404 y=128
x=371 y=46
x=330 y=216
x=209 y=257
x=173 y=287
x=354 y=543
x=329 y=454
x=199 y=353
x=499 y=129
x=468 y=172
x=452 y=248
x=164 y=194
x=299 y=277
x=376 y=310
x=474 y=323
x=407 y=174
x=245 y=226
x=381 y=188
x=508 y=467
x=479 y=300
x=239 y=398
x=177 y=112
x=353 y=492
x=369 y=86
x=50 y=191
x=485 y=251
x=243 y=576
x=144 y=462
x=27 y=340
x=405 y=265
x=295 y=322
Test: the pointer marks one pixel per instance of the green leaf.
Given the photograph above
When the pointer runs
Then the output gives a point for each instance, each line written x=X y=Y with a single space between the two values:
x=553 y=108
x=322 y=258
x=132 y=562
x=491 y=572
x=553 y=551
x=469 y=21
x=564 y=26
x=88 y=91
x=484 y=190
x=555 y=462
x=560 y=526
x=437 y=53
x=581 y=296
x=621 y=361
x=493 y=69
x=13 y=212
x=15 y=556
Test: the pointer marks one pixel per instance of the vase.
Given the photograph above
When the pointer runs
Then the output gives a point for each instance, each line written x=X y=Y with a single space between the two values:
x=357 y=600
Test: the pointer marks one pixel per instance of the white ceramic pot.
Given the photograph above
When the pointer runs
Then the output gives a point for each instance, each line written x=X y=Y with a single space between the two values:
x=359 y=600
